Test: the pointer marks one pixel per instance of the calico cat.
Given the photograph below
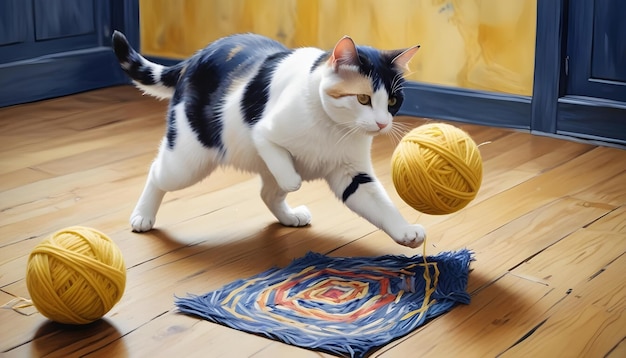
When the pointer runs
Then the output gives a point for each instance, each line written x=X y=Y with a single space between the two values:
x=289 y=115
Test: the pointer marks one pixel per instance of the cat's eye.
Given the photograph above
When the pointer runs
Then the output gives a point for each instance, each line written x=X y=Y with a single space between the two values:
x=392 y=101
x=364 y=99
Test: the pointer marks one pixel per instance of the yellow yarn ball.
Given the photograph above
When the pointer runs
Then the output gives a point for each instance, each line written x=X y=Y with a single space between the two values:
x=437 y=169
x=76 y=275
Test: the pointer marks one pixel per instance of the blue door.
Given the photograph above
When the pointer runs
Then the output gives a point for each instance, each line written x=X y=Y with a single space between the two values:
x=597 y=49
x=51 y=48
x=594 y=101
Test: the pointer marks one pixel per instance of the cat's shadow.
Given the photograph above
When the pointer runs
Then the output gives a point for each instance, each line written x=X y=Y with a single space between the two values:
x=273 y=246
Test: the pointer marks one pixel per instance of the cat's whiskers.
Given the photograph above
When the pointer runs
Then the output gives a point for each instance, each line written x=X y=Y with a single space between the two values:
x=396 y=83
x=350 y=130
x=398 y=86
x=398 y=130
x=408 y=73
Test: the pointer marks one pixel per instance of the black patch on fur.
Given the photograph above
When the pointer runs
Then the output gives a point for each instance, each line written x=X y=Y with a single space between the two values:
x=320 y=60
x=399 y=99
x=136 y=68
x=141 y=74
x=126 y=55
x=200 y=87
x=361 y=178
x=203 y=81
x=121 y=47
x=171 y=128
x=170 y=75
x=382 y=72
x=257 y=91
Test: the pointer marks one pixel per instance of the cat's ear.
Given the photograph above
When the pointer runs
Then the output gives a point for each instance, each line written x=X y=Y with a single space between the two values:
x=402 y=58
x=344 y=53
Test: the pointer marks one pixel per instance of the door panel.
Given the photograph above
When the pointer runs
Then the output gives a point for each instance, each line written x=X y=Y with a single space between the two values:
x=45 y=27
x=608 y=58
x=593 y=104
x=62 y=18
x=596 y=49
x=14 y=22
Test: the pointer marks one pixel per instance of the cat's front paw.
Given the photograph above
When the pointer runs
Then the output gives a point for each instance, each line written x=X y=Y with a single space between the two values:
x=289 y=183
x=141 y=223
x=300 y=216
x=411 y=236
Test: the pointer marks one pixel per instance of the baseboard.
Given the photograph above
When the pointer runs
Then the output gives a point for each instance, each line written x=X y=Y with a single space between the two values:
x=592 y=118
x=59 y=75
x=468 y=106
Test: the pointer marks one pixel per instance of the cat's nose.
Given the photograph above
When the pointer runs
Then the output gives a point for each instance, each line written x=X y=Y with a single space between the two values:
x=381 y=125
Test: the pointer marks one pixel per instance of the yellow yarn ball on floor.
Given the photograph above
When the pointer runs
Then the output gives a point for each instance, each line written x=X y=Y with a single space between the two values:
x=437 y=169
x=76 y=275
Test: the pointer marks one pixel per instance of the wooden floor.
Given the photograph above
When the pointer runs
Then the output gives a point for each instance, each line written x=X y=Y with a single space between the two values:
x=548 y=228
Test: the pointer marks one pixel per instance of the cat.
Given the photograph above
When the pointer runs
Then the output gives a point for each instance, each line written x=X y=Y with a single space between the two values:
x=249 y=102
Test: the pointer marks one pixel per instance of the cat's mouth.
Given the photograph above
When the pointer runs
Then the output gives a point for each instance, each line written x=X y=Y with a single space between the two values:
x=382 y=129
x=374 y=133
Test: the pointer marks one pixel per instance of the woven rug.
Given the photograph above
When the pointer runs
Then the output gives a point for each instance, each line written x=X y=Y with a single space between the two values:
x=345 y=306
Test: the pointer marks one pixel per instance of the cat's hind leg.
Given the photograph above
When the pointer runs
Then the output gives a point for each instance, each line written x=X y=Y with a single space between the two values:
x=274 y=197
x=143 y=216
x=179 y=164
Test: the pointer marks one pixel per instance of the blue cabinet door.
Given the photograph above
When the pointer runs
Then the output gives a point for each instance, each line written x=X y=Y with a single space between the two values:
x=593 y=102
x=596 y=49
x=51 y=48
x=14 y=22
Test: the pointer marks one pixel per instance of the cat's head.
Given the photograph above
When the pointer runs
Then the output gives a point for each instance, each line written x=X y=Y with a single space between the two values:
x=361 y=87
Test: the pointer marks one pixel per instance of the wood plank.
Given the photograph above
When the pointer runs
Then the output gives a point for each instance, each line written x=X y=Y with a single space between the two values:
x=501 y=174
x=492 y=322
x=277 y=349
x=574 y=259
x=173 y=334
x=565 y=273
x=456 y=231
x=230 y=253
x=25 y=325
x=68 y=145
x=51 y=339
x=21 y=236
x=44 y=114
x=505 y=247
x=20 y=177
x=614 y=222
x=612 y=190
x=500 y=250
x=590 y=322
x=619 y=350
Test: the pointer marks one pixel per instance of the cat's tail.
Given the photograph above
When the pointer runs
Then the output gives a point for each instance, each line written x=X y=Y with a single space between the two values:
x=154 y=79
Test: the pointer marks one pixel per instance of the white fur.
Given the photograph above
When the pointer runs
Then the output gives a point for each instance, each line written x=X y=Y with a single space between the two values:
x=304 y=134
x=157 y=90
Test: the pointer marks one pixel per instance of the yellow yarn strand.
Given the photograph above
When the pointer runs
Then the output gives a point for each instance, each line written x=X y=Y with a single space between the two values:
x=76 y=275
x=430 y=287
x=437 y=169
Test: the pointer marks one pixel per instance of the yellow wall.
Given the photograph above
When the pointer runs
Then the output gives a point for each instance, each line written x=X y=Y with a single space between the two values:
x=478 y=44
